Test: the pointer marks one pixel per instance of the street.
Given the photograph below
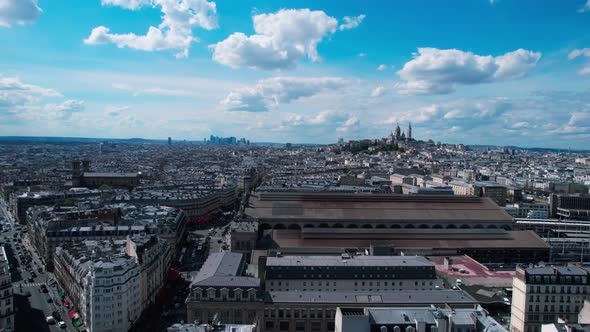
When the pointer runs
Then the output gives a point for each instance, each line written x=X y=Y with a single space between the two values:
x=28 y=274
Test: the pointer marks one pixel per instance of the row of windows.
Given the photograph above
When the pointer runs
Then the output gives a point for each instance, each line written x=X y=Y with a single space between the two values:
x=552 y=307
x=299 y=326
x=553 y=279
x=224 y=295
x=555 y=289
x=300 y=313
x=356 y=276
x=533 y=298
x=350 y=268
x=239 y=315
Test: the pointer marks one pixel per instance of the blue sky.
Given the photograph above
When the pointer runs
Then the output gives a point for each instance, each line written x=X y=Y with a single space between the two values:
x=473 y=71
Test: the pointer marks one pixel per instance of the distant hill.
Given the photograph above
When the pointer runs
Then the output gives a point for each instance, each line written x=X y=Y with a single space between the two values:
x=533 y=149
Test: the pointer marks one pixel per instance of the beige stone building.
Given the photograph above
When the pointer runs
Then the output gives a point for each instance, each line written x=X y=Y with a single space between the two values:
x=543 y=295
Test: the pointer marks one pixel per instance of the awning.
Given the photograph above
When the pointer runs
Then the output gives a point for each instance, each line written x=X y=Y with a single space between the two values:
x=71 y=314
x=77 y=323
x=173 y=275
x=61 y=294
x=76 y=316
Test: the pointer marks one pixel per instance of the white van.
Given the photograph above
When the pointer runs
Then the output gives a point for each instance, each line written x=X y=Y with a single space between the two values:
x=50 y=320
x=459 y=282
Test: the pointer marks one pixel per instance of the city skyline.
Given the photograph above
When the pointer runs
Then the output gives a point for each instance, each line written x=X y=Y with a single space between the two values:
x=477 y=72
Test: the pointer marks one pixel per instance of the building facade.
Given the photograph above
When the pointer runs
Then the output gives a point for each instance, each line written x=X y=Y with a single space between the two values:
x=542 y=295
x=6 y=295
x=112 y=282
x=415 y=319
x=347 y=273
x=303 y=293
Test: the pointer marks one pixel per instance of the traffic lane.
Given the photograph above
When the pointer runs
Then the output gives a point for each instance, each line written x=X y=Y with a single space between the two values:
x=33 y=309
x=28 y=317
x=38 y=301
x=35 y=306
x=55 y=305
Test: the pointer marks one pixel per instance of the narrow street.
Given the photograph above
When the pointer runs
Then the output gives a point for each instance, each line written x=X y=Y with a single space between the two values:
x=31 y=304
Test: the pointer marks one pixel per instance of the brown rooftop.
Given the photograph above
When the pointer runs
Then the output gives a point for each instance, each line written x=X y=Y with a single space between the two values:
x=279 y=206
x=510 y=240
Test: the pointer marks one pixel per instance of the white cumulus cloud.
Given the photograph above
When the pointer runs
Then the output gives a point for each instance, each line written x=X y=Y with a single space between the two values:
x=30 y=102
x=585 y=8
x=281 y=40
x=269 y=93
x=436 y=71
x=127 y=4
x=15 y=94
x=328 y=120
x=378 y=91
x=175 y=32
x=584 y=52
x=18 y=12
x=64 y=110
x=351 y=22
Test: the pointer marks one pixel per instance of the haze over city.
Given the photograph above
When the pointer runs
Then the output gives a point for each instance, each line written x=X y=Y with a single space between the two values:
x=475 y=72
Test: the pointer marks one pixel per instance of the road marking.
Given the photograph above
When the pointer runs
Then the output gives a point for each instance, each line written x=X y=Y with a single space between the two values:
x=34 y=284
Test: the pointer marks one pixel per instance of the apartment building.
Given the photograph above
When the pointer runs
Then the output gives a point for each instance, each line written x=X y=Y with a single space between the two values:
x=6 y=295
x=112 y=281
x=347 y=273
x=545 y=294
x=416 y=319
x=302 y=293
x=51 y=227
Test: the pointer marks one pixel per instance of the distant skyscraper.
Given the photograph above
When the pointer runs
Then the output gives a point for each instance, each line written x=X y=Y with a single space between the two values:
x=409 y=134
x=169 y=140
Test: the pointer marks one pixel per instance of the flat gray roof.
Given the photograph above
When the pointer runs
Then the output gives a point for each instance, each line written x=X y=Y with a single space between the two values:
x=396 y=297
x=222 y=269
x=353 y=261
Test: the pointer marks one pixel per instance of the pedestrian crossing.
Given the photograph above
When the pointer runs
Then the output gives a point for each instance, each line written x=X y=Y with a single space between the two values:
x=33 y=284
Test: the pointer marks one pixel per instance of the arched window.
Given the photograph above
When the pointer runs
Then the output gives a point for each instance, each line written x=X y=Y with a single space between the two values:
x=383 y=329
x=396 y=329
x=410 y=329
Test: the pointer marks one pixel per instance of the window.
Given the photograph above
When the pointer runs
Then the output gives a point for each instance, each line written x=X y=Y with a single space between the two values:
x=300 y=326
x=284 y=326
x=383 y=329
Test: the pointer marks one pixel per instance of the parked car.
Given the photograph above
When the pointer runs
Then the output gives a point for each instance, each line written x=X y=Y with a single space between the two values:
x=61 y=324
x=49 y=299
x=50 y=320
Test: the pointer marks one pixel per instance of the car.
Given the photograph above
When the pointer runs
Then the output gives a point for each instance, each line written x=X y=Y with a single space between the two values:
x=31 y=279
x=44 y=288
x=50 y=320
x=49 y=299
x=61 y=324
